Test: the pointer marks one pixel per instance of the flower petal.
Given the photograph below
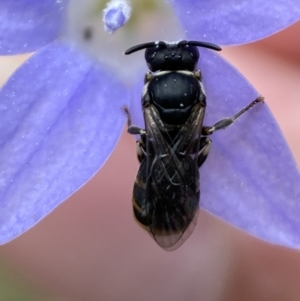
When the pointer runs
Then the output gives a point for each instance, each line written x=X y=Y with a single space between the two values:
x=29 y=24
x=60 y=119
x=250 y=178
x=235 y=22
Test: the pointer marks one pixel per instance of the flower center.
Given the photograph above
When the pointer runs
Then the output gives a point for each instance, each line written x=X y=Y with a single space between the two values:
x=150 y=20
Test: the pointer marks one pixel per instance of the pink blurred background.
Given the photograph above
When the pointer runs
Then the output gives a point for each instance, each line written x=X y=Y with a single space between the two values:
x=90 y=248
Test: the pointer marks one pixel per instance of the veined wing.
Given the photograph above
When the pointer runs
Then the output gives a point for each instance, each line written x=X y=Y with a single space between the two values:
x=172 y=178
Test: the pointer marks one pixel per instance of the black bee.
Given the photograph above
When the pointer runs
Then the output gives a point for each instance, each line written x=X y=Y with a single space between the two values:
x=174 y=143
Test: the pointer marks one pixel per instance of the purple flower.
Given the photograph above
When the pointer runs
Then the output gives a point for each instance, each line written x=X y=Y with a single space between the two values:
x=61 y=116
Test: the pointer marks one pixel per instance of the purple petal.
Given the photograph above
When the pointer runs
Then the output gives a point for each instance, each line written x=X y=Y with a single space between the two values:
x=250 y=178
x=235 y=22
x=27 y=25
x=60 y=119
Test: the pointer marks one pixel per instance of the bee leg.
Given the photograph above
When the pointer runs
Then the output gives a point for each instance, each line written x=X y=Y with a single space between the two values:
x=135 y=130
x=225 y=122
x=140 y=150
x=132 y=129
x=204 y=149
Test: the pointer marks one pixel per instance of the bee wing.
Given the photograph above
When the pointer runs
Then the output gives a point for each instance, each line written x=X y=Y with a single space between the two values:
x=168 y=151
x=172 y=185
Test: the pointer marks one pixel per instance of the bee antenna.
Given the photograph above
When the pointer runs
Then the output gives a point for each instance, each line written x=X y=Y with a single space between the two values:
x=144 y=46
x=203 y=44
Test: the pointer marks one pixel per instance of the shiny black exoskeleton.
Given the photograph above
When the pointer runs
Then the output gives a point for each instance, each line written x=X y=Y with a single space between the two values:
x=174 y=143
x=175 y=86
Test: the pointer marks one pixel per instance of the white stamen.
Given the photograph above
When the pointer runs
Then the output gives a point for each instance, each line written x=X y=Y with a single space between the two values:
x=116 y=14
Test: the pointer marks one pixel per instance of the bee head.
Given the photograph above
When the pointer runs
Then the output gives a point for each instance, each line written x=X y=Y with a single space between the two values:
x=182 y=55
